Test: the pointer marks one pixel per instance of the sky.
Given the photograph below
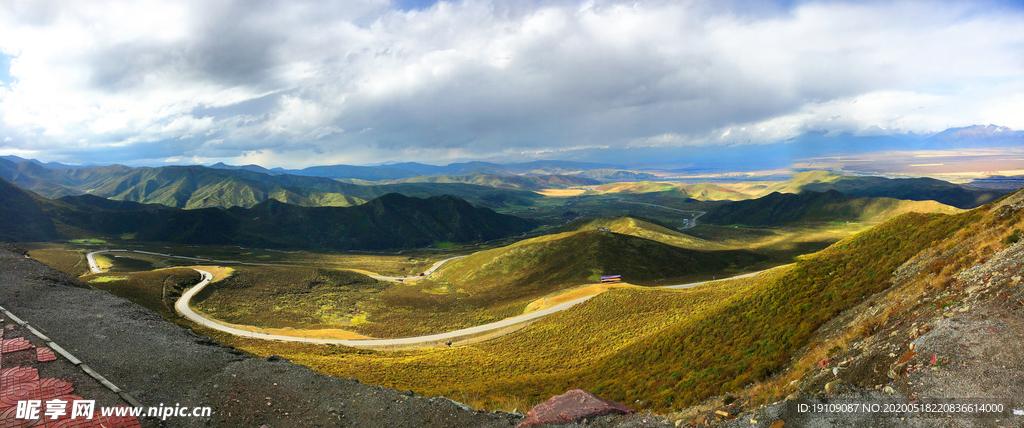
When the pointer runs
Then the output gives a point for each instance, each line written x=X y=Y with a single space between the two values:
x=299 y=83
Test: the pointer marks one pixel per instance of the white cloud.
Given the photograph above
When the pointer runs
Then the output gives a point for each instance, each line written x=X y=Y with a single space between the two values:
x=284 y=80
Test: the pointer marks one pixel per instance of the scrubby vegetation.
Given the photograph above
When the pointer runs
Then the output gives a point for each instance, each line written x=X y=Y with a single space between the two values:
x=647 y=229
x=563 y=342
x=495 y=284
x=156 y=290
x=809 y=206
x=666 y=349
x=61 y=257
x=290 y=297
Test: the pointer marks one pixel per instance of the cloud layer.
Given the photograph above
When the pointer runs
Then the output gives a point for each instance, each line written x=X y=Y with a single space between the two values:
x=298 y=83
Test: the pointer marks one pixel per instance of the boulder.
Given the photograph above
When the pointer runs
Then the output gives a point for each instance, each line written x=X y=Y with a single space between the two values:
x=574 y=405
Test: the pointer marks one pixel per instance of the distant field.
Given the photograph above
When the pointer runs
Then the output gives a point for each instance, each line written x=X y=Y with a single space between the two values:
x=562 y=193
x=88 y=241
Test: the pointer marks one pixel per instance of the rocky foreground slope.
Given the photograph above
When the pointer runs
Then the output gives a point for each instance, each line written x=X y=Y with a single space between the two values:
x=156 y=361
x=950 y=330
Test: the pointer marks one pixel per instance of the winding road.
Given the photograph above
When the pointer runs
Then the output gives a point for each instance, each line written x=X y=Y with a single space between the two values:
x=452 y=338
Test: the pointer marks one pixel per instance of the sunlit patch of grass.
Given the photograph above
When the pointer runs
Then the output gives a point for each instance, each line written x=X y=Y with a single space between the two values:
x=107 y=279
x=104 y=261
x=358 y=319
x=562 y=193
x=88 y=241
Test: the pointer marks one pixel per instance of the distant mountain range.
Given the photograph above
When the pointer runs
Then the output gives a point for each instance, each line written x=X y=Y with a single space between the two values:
x=391 y=221
x=726 y=156
x=913 y=189
x=200 y=187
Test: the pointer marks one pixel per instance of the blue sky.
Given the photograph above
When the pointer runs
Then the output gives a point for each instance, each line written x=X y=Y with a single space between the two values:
x=300 y=83
x=5 y=65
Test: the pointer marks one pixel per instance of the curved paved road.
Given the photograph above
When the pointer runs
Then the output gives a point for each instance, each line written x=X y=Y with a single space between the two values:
x=513 y=323
x=463 y=336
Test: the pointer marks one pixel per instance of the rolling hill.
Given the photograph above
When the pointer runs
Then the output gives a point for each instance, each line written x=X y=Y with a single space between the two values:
x=913 y=189
x=644 y=229
x=494 y=284
x=22 y=217
x=698 y=191
x=572 y=258
x=809 y=206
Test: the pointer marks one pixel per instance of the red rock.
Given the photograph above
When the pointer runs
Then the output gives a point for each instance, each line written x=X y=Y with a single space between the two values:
x=574 y=405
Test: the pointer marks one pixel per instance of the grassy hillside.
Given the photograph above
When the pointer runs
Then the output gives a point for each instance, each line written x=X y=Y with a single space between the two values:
x=491 y=285
x=647 y=230
x=778 y=209
x=913 y=189
x=699 y=191
x=754 y=335
x=664 y=348
x=573 y=258
x=22 y=217
x=391 y=221
x=484 y=287
x=156 y=290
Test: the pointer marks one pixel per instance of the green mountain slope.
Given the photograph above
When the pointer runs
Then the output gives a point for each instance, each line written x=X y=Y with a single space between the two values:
x=21 y=215
x=645 y=229
x=698 y=191
x=495 y=284
x=778 y=209
x=573 y=258
x=913 y=189
x=391 y=221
